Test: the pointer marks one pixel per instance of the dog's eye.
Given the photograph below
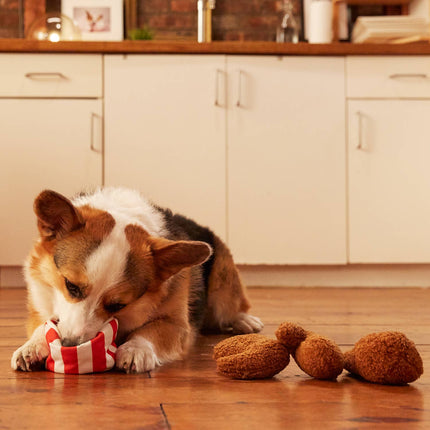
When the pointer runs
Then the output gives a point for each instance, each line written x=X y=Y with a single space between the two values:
x=73 y=290
x=114 y=307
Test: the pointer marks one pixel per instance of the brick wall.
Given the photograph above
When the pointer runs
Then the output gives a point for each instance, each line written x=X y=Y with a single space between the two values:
x=9 y=18
x=231 y=19
x=177 y=19
x=246 y=19
x=12 y=22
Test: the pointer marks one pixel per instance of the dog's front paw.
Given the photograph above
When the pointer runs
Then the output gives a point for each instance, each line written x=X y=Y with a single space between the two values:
x=30 y=356
x=136 y=356
x=245 y=323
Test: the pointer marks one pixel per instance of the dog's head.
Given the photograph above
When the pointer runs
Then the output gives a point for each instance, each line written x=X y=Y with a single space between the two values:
x=99 y=265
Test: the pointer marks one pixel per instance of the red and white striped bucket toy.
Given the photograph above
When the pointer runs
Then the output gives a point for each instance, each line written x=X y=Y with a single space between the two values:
x=96 y=355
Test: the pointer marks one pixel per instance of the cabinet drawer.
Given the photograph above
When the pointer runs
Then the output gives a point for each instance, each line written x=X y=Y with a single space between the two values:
x=50 y=75
x=388 y=77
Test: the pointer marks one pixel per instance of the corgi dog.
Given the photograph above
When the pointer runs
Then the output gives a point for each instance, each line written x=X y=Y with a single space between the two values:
x=112 y=253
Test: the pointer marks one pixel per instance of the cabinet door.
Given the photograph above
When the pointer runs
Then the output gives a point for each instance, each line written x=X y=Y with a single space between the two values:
x=389 y=181
x=165 y=131
x=286 y=160
x=44 y=143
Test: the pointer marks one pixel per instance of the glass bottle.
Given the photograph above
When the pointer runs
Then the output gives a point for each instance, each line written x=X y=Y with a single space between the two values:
x=288 y=31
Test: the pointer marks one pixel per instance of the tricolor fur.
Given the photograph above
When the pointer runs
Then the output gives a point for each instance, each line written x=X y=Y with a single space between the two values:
x=112 y=253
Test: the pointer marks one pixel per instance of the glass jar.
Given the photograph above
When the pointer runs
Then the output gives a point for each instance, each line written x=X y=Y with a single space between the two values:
x=289 y=30
x=54 y=27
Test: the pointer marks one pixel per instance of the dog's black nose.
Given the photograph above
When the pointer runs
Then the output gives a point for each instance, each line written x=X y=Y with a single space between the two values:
x=70 y=341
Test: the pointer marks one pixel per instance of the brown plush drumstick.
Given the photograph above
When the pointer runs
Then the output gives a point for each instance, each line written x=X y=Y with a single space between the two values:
x=316 y=355
x=385 y=358
x=250 y=356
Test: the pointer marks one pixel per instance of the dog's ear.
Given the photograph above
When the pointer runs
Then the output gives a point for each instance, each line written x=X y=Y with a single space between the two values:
x=56 y=215
x=172 y=256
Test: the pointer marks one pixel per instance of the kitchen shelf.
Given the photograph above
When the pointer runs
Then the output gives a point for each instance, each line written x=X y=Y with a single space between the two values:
x=236 y=48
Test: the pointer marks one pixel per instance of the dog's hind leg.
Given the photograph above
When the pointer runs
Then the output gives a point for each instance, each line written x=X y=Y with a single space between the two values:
x=227 y=304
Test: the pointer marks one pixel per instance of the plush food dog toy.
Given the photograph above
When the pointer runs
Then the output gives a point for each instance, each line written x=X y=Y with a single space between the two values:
x=384 y=358
x=250 y=356
x=96 y=355
x=255 y=356
x=316 y=355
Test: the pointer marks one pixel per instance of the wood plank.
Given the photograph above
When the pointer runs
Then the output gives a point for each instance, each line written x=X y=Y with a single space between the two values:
x=375 y=2
x=345 y=334
x=78 y=415
x=371 y=306
x=289 y=414
x=190 y=393
x=218 y=47
x=201 y=362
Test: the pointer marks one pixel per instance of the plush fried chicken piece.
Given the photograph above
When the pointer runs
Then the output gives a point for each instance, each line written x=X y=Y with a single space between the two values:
x=316 y=355
x=250 y=356
x=385 y=358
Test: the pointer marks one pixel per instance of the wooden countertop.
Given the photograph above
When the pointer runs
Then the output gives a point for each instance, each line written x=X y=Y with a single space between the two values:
x=237 y=48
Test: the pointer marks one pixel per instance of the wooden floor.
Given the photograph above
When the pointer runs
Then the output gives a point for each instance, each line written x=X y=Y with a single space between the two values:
x=191 y=395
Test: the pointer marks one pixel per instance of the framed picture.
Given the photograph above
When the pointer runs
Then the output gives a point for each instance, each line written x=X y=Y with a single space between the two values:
x=97 y=19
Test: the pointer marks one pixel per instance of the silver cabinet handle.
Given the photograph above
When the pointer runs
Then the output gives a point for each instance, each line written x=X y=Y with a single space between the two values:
x=408 y=75
x=93 y=148
x=45 y=75
x=239 y=89
x=360 y=130
x=218 y=73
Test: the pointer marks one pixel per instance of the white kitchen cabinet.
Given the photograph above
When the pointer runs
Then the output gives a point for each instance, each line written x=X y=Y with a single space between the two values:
x=389 y=181
x=252 y=146
x=388 y=77
x=52 y=144
x=51 y=75
x=286 y=160
x=50 y=137
x=165 y=131
x=388 y=151
x=270 y=171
